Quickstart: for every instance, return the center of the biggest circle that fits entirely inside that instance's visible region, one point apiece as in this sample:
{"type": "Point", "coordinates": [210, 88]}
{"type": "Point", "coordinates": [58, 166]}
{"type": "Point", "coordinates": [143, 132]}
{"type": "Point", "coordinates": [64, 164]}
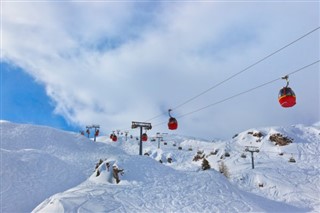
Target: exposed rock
{"type": "Point", "coordinates": [200, 155]}
{"type": "Point", "coordinates": [236, 135]}
{"type": "Point", "coordinates": [256, 134]}
{"type": "Point", "coordinates": [280, 139]}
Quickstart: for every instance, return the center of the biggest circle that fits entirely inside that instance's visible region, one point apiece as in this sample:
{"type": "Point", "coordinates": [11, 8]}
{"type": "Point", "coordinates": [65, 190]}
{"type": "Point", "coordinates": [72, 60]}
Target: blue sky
{"type": "Point", "coordinates": [25, 101]}
{"type": "Point", "coordinates": [111, 63]}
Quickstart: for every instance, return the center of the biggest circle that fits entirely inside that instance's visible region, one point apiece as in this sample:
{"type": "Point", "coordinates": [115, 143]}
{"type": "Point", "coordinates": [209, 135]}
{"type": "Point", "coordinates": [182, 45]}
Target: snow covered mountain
{"type": "Point", "coordinates": [49, 170]}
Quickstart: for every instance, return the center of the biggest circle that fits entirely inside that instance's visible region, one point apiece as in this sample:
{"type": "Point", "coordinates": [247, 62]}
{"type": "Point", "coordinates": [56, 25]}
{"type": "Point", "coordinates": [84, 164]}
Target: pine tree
{"type": "Point", "coordinates": [205, 164]}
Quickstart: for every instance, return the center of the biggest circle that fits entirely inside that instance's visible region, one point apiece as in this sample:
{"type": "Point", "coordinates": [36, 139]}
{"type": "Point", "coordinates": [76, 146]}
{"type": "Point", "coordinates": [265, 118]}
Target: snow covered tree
{"type": "Point", "coordinates": [223, 169]}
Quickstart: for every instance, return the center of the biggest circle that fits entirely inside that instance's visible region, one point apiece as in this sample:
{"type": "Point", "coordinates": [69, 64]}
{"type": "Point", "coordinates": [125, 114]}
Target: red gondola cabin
{"type": "Point", "coordinates": [286, 97]}
{"type": "Point", "coordinates": [144, 137]}
{"type": "Point", "coordinates": [97, 133]}
{"type": "Point", "coordinates": [114, 138]}
{"type": "Point", "coordinates": [173, 123]}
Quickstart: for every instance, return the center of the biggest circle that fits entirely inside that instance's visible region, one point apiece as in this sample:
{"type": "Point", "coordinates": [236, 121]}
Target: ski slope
{"type": "Point", "coordinates": [49, 170]}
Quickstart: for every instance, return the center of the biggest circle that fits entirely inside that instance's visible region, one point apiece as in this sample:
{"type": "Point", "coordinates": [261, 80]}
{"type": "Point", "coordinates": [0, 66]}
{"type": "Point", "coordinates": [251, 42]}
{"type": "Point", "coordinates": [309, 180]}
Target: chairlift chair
{"type": "Point", "coordinates": [292, 160]}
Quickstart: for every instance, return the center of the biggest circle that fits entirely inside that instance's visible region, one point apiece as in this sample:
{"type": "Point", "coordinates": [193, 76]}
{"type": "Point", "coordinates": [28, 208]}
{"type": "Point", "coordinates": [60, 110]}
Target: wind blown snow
{"type": "Point", "coordinates": [49, 170]}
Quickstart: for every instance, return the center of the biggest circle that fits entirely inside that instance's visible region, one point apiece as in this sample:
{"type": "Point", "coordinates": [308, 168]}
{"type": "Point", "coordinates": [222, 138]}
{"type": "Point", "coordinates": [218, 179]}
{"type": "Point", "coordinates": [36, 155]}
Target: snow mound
{"type": "Point", "coordinates": [148, 186]}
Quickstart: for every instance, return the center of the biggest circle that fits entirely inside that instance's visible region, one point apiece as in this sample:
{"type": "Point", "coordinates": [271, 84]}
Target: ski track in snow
{"type": "Point", "coordinates": [135, 199]}
{"type": "Point", "coordinates": [49, 170]}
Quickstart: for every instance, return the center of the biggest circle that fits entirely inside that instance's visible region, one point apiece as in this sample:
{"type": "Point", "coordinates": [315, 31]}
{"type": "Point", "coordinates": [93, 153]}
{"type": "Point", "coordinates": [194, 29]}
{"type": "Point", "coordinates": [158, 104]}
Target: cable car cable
{"type": "Point", "coordinates": [238, 73]}
{"type": "Point", "coordinates": [249, 90]}
{"type": "Point", "coordinates": [247, 68]}
{"type": "Point", "coordinates": [241, 93]}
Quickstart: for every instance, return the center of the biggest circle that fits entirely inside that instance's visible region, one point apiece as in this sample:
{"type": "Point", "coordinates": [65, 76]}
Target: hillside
{"type": "Point", "coordinates": [49, 170]}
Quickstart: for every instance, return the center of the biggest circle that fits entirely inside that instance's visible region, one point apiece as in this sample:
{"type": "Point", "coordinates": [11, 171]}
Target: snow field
{"type": "Point", "coordinates": [54, 171]}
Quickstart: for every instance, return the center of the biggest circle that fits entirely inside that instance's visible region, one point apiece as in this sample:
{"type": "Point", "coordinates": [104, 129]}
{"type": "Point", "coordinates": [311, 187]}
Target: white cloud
{"type": "Point", "coordinates": [111, 63]}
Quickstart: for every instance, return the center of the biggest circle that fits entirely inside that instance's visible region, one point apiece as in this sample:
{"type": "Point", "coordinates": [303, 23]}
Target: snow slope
{"type": "Point", "coordinates": [38, 161]}
{"type": "Point", "coordinates": [295, 183]}
{"type": "Point", "coordinates": [49, 170]}
{"type": "Point", "coordinates": [158, 188]}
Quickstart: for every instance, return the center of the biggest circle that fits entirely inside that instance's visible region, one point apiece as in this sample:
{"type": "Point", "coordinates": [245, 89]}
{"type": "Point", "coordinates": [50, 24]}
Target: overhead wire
{"type": "Point", "coordinates": [241, 93]}
{"type": "Point", "coordinates": [231, 77]}
{"type": "Point", "coordinates": [236, 74]}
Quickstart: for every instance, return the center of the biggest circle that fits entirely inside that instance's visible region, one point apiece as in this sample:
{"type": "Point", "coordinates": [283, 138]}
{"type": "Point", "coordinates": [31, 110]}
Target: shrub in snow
{"type": "Point", "coordinates": [223, 169]}
{"type": "Point", "coordinates": [169, 160]}
{"type": "Point", "coordinates": [98, 173]}
{"type": "Point", "coordinates": [100, 162]}
{"type": "Point", "coordinates": [205, 164]}
{"type": "Point", "coordinates": [180, 148]}
{"type": "Point", "coordinates": [116, 172]}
